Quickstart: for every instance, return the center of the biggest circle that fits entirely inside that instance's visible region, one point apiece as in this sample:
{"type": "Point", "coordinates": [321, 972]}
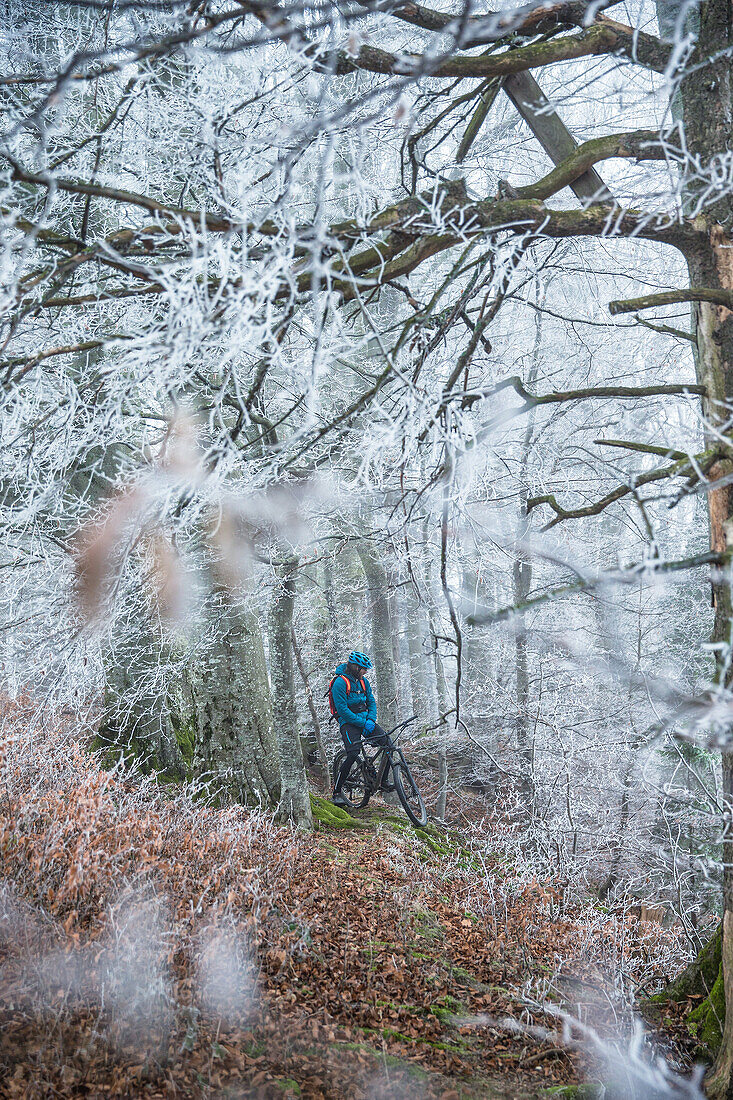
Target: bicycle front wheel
{"type": "Point", "coordinates": [355, 789]}
{"type": "Point", "coordinates": [408, 794]}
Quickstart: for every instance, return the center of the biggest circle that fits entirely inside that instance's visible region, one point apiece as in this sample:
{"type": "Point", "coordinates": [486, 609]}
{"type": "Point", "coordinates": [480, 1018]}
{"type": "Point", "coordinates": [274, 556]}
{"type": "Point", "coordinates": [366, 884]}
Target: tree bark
{"type": "Point", "coordinates": [522, 584]}
{"type": "Point", "coordinates": [441, 692]}
{"type": "Point", "coordinates": [443, 706]}
{"type": "Point", "coordinates": [383, 630]}
{"type": "Point", "coordinates": [423, 702]}
{"type": "Point", "coordinates": [552, 134]}
{"type": "Point", "coordinates": [522, 581]}
{"type": "Point", "coordinates": [335, 641]}
{"type": "Point", "coordinates": [707, 105]}
{"type": "Point", "coordinates": [235, 743]}
{"type": "Point", "coordinates": [136, 717]}
{"type": "Point", "coordinates": [317, 731]}
{"type": "Point", "coordinates": [617, 842]}
{"type": "Point", "coordinates": [294, 794]}
{"type": "Point", "coordinates": [402, 670]}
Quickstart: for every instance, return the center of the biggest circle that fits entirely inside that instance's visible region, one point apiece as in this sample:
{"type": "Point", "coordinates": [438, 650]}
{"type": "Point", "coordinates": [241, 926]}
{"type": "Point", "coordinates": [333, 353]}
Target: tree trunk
{"type": "Point", "coordinates": [440, 805]}
{"type": "Point", "coordinates": [522, 578]}
{"type": "Point", "coordinates": [402, 677]}
{"type": "Point", "coordinates": [441, 691]}
{"type": "Point", "coordinates": [383, 630]}
{"type": "Point", "coordinates": [317, 731]}
{"type": "Point", "coordinates": [136, 718]}
{"type": "Point", "coordinates": [294, 794]}
{"type": "Point", "coordinates": [522, 584]}
{"type": "Point", "coordinates": [335, 641]}
{"type": "Point", "coordinates": [707, 105]}
{"type": "Point", "coordinates": [617, 843]}
{"type": "Point", "coordinates": [423, 702]}
{"type": "Point", "coordinates": [477, 656]}
{"type": "Point", "coordinates": [443, 706]}
{"type": "Point", "coordinates": [235, 744]}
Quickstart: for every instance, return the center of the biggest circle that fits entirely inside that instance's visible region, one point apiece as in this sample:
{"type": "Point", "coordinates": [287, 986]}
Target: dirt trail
{"type": "Point", "coordinates": [384, 960]}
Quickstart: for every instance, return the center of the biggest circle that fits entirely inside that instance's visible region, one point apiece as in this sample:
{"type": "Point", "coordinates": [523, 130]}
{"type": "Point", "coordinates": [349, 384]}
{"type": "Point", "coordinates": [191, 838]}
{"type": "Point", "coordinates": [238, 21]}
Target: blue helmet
{"type": "Point", "coordinates": [359, 659]}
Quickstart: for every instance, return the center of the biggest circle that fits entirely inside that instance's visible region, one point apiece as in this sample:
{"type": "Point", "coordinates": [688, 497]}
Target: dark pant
{"type": "Point", "coordinates": [352, 738]}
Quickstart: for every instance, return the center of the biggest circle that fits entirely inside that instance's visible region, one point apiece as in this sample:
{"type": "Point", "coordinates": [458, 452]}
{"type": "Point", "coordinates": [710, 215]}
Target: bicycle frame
{"type": "Point", "coordinates": [385, 752]}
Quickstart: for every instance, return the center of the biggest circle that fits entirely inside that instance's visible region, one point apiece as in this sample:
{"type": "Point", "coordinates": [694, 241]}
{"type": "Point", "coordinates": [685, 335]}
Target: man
{"type": "Point", "coordinates": [356, 710]}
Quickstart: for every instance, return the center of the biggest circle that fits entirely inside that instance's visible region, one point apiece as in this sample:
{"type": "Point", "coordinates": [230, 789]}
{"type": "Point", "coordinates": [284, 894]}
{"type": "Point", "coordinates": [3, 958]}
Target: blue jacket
{"type": "Point", "coordinates": [355, 698]}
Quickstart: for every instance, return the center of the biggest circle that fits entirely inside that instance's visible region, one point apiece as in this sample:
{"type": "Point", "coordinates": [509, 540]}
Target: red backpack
{"type": "Point", "coordinates": [346, 680]}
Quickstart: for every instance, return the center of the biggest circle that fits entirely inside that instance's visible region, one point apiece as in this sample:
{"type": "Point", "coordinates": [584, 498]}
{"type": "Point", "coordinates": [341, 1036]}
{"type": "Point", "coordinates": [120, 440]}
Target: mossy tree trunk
{"type": "Point", "coordinates": [702, 978]}
{"type": "Point", "coordinates": [294, 796]}
{"type": "Point", "coordinates": [707, 109]}
{"type": "Point", "coordinates": [236, 747]}
{"type": "Point", "coordinates": [136, 719]}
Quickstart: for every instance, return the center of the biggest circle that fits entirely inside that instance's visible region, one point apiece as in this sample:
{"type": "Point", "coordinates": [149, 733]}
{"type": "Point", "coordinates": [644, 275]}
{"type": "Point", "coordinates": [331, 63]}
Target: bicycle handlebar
{"type": "Point", "coordinates": [403, 725]}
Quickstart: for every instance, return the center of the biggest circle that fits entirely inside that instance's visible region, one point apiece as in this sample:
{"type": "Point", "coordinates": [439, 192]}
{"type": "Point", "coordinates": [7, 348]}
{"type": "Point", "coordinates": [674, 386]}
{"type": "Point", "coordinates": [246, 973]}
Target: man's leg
{"type": "Point", "coordinates": [351, 736]}
{"type": "Point", "coordinates": [379, 736]}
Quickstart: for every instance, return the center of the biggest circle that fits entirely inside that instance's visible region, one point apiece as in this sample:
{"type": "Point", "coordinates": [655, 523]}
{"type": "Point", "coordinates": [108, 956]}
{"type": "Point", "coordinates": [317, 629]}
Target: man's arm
{"type": "Point", "coordinates": [343, 710]}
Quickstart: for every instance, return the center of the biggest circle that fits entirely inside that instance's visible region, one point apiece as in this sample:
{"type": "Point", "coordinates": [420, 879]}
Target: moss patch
{"type": "Point", "coordinates": [255, 1048]}
{"type": "Point", "coordinates": [289, 1087]}
{"type": "Point", "coordinates": [706, 1022]}
{"type": "Point", "coordinates": [699, 977]}
{"type": "Point", "coordinates": [409, 1069]}
{"type": "Point", "coordinates": [186, 739]}
{"type": "Point", "coordinates": [439, 847]}
{"type": "Point", "coordinates": [391, 1033]}
{"type": "Point", "coordinates": [394, 821]}
{"type": "Point", "coordinates": [462, 975]}
{"type": "Point", "coordinates": [332, 817]}
{"type": "Point", "coordinates": [703, 977]}
{"type": "Point", "coordinates": [448, 1009]}
{"type": "Point", "coordinates": [427, 926]}
{"type": "Point", "coordinates": [588, 1090]}
{"type": "Point", "coordinates": [111, 753]}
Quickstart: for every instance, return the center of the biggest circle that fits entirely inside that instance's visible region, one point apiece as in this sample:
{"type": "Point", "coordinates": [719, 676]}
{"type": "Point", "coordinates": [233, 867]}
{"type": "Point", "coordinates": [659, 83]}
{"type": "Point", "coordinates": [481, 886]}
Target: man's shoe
{"type": "Point", "coordinates": [340, 801]}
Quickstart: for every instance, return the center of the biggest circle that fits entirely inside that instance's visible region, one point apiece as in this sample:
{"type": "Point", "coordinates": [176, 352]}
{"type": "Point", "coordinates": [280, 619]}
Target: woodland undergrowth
{"type": "Point", "coordinates": [154, 945]}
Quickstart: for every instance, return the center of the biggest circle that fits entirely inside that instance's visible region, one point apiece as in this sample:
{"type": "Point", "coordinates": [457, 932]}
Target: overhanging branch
{"type": "Point", "coordinates": [591, 393]}
{"type": "Point", "coordinates": [130, 198]}
{"type": "Point", "coordinates": [689, 466]}
{"type": "Point", "coordinates": [630, 575]}
{"type": "Point", "coordinates": [644, 448]}
{"type": "Point", "coordinates": [479, 30]}
{"type": "Point", "coordinates": [597, 40]}
{"type": "Point", "coordinates": [672, 297]}
{"type": "Point", "coordinates": [636, 145]}
{"type": "Point", "coordinates": [459, 221]}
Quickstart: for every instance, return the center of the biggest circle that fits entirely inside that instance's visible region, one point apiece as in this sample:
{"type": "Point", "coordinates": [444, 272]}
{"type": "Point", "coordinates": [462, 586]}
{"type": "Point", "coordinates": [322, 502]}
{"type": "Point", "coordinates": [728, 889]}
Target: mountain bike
{"type": "Point", "coordinates": [383, 770]}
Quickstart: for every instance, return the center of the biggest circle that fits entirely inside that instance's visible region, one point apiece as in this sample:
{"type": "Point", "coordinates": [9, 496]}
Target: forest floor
{"type": "Point", "coordinates": [151, 947]}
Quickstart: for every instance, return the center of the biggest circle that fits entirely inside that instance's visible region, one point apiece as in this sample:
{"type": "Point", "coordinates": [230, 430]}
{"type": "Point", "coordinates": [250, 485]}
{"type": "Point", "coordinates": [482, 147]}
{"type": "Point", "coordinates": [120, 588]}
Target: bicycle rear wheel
{"type": "Point", "coordinates": [408, 794]}
{"type": "Point", "coordinates": [355, 789]}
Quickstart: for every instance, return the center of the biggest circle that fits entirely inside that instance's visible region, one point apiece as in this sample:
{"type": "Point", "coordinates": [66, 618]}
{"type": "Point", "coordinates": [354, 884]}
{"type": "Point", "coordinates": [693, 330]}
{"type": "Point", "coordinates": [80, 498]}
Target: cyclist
{"type": "Point", "coordinates": [356, 710]}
